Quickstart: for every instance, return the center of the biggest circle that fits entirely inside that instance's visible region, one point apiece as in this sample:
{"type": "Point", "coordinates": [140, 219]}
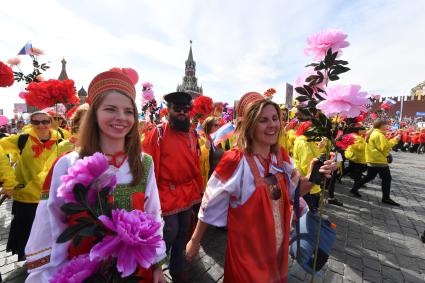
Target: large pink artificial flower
{"type": "Point", "coordinates": [147, 93]}
{"type": "Point", "coordinates": [134, 242]}
{"type": "Point", "coordinates": [93, 172]}
{"type": "Point", "coordinates": [36, 51]}
{"type": "Point", "coordinates": [344, 101]}
{"type": "Point", "coordinates": [76, 270]}
{"type": "Point", "coordinates": [14, 61]}
{"type": "Point", "coordinates": [309, 71]}
{"type": "Point", "coordinates": [319, 43]}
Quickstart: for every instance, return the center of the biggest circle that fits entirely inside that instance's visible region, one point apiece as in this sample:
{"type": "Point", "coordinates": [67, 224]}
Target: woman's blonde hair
{"type": "Point", "coordinates": [246, 126]}
{"type": "Point", "coordinates": [90, 137]}
{"type": "Point", "coordinates": [77, 117]}
{"type": "Point", "coordinates": [208, 124]}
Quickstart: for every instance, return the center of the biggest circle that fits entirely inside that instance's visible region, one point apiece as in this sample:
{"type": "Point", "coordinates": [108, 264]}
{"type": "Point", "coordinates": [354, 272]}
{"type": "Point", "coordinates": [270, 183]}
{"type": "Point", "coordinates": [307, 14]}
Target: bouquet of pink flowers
{"type": "Point", "coordinates": [109, 244]}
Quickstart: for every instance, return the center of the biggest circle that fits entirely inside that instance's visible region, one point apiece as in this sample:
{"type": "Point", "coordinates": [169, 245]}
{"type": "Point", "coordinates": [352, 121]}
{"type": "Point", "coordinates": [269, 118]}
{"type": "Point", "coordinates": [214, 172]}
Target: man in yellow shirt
{"type": "Point", "coordinates": [378, 149]}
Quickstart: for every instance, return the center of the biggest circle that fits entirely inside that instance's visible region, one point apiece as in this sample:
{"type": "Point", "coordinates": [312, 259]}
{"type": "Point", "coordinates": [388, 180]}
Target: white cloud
{"type": "Point", "coordinates": [238, 45]}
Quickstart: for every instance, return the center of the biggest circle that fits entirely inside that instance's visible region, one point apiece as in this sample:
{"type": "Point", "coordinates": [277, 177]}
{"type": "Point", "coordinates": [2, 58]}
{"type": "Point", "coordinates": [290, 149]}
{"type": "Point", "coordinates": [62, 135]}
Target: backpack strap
{"type": "Point", "coordinates": [61, 133]}
{"type": "Point", "coordinates": [22, 140]}
{"type": "Point", "coordinates": [297, 214]}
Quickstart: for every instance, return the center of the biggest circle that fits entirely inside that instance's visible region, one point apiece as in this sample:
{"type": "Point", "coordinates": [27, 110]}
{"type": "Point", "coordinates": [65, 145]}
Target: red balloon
{"type": "Point", "coordinates": [132, 74]}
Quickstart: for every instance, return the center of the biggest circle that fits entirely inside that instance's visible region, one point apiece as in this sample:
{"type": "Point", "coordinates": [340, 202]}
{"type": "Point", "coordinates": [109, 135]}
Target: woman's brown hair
{"type": "Point", "coordinates": [376, 125]}
{"type": "Point", "coordinates": [208, 124]}
{"type": "Point", "coordinates": [90, 137]}
{"type": "Point", "coordinates": [245, 128]}
{"type": "Point", "coordinates": [77, 117]}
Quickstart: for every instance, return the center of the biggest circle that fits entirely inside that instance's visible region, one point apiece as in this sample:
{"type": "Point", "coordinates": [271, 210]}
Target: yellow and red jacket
{"type": "Point", "coordinates": [303, 153]}
{"type": "Point", "coordinates": [7, 175]}
{"type": "Point", "coordinates": [29, 166]}
{"type": "Point", "coordinates": [356, 152]}
{"type": "Point", "coordinates": [378, 147]}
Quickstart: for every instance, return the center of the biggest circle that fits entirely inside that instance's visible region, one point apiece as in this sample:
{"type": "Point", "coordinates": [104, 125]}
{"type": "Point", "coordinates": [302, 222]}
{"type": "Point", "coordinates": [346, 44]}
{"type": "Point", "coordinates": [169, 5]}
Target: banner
{"type": "Point", "coordinates": [20, 107]}
{"type": "Point", "coordinates": [289, 95]}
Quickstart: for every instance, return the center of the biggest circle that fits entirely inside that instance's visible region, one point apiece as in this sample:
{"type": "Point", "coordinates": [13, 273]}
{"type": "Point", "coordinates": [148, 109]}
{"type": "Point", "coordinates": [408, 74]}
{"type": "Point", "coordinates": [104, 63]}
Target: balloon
{"type": "Point", "coordinates": [22, 94]}
{"type": "Point", "coordinates": [132, 74]}
{"type": "Point", "coordinates": [397, 112]}
{"type": "Point", "coordinates": [3, 120]}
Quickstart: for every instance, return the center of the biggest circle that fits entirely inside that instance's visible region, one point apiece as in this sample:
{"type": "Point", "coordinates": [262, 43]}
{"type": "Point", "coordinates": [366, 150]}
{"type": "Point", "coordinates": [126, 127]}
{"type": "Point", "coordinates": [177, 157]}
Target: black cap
{"type": "Point", "coordinates": [178, 98]}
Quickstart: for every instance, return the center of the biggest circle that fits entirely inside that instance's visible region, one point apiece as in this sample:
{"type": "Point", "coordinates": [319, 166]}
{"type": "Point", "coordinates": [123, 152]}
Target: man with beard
{"type": "Point", "coordinates": [174, 148]}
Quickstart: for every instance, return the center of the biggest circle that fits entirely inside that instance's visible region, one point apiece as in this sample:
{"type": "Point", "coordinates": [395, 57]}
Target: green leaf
{"type": "Point", "coordinates": [333, 78]}
{"type": "Point", "coordinates": [88, 231]}
{"type": "Point", "coordinates": [341, 62]}
{"type": "Point", "coordinates": [302, 98]}
{"type": "Point", "coordinates": [72, 208]}
{"type": "Point", "coordinates": [80, 193]}
{"type": "Point", "coordinates": [309, 90]}
{"type": "Point", "coordinates": [301, 90]}
{"type": "Point", "coordinates": [312, 65]}
{"type": "Point", "coordinates": [76, 240]}
{"type": "Point", "coordinates": [70, 232]}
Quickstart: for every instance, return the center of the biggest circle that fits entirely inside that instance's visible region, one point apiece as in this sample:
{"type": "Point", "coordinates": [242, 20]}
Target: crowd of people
{"type": "Point", "coordinates": [245, 184]}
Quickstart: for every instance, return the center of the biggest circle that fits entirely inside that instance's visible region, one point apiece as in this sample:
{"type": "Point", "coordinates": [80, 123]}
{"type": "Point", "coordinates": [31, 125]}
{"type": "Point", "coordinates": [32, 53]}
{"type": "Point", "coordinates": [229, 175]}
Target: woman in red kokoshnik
{"type": "Point", "coordinates": [250, 192]}
{"type": "Point", "coordinates": [110, 127]}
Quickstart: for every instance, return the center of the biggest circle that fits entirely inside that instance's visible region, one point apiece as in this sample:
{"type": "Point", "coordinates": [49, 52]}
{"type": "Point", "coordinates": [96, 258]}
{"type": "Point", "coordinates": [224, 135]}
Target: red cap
{"type": "Point", "coordinates": [111, 80]}
{"type": "Point", "coordinates": [246, 100]}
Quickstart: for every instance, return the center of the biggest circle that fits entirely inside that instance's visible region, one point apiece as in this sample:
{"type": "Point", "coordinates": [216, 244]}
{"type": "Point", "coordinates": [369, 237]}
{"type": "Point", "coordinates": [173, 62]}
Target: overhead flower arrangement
{"type": "Point", "coordinates": [6, 75]}
{"type": "Point", "coordinates": [38, 68]}
{"type": "Point", "coordinates": [107, 244]}
{"type": "Point", "coordinates": [150, 110]}
{"type": "Point", "coordinates": [328, 106]}
{"type": "Point", "coordinates": [202, 108]}
{"type": "Point", "coordinates": [51, 92]}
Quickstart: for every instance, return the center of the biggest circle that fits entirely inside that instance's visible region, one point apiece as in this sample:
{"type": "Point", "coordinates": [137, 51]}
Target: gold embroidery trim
{"type": "Point", "coordinates": [39, 252]}
{"type": "Point", "coordinates": [39, 262]}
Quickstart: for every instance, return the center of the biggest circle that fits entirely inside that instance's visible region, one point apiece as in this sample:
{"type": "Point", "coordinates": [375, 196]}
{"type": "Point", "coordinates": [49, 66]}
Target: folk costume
{"type": "Point", "coordinates": [239, 196]}
{"type": "Point", "coordinates": [44, 255]}
{"type": "Point", "coordinates": [178, 173]}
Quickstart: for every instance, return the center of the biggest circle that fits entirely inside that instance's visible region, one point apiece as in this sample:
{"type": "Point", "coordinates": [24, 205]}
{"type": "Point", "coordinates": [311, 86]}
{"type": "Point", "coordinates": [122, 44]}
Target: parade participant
{"type": "Point", "coordinates": [303, 153]}
{"type": "Point", "coordinates": [110, 127]}
{"type": "Point", "coordinates": [356, 156]}
{"type": "Point", "coordinates": [250, 192]}
{"type": "Point", "coordinates": [35, 146]}
{"type": "Point", "coordinates": [378, 149]}
{"type": "Point", "coordinates": [174, 148]}
{"type": "Point", "coordinates": [421, 148]}
{"type": "Point", "coordinates": [7, 175]}
{"type": "Point", "coordinates": [210, 154]}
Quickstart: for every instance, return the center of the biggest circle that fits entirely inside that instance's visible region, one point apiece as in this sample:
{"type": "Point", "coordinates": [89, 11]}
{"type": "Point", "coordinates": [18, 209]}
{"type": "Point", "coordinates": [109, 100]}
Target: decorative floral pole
{"type": "Point", "coordinates": [320, 103]}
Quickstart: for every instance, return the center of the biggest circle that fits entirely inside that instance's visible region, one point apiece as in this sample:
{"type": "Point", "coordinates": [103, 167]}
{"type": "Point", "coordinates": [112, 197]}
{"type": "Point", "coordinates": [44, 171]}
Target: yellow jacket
{"type": "Point", "coordinates": [64, 146]}
{"type": "Point", "coordinates": [378, 148]}
{"type": "Point", "coordinates": [356, 151]}
{"type": "Point", "coordinates": [303, 153]}
{"type": "Point", "coordinates": [28, 167]}
{"type": "Point", "coordinates": [7, 175]}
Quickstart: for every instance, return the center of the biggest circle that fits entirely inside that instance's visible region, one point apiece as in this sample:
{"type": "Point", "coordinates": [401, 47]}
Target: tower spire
{"type": "Point", "coordinates": [190, 58]}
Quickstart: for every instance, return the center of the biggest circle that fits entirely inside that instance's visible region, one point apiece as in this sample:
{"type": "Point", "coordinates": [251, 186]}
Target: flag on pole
{"type": "Point", "coordinates": [388, 103]}
{"type": "Point", "coordinates": [27, 49]}
{"type": "Point", "coordinates": [222, 134]}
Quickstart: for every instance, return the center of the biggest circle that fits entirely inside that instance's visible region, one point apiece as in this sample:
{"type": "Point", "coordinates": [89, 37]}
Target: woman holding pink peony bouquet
{"type": "Point", "coordinates": [102, 220]}
{"type": "Point", "coordinates": [250, 192]}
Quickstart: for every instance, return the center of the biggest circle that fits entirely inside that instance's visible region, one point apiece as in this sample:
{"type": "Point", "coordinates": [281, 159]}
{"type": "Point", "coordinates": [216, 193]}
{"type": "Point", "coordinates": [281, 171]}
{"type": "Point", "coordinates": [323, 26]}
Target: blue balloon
{"type": "Point", "coordinates": [398, 112]}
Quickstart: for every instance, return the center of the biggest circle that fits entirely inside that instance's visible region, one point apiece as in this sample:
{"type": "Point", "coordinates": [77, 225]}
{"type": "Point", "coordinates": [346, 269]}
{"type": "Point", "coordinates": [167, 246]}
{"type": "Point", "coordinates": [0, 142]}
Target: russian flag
{"type": "Point", "coordinates": [388, 103]}
{"type": "Point", "coordinates": [27, 49]}
{"type": "Point", "coordinates": [222, 134]}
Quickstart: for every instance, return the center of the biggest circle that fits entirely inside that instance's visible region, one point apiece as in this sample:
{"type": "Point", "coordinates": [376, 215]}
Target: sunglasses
{"type": "Point", "coordinates": [179, 108]}
{"type": "Point", "coordinates": [38, 122]}
{"type": "Point", "coordinates": [271, 181]}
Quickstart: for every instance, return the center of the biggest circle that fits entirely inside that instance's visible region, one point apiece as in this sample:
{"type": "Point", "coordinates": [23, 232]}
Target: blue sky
{"type": "Point", "coordinates": [239, 45]}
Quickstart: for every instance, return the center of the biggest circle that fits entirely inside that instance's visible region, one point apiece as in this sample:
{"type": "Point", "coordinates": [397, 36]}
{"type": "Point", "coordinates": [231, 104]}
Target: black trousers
{"type": "Point", "coordinates": [20, 228]}
{"type": "Point", "coordinates": [356, 170]}
{"type": "Point", "coordinates": [384, 174]}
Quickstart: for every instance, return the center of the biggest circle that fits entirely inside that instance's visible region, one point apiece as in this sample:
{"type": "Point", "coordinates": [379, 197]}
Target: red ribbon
{"type": "Point", "coordinates": [38, 147]}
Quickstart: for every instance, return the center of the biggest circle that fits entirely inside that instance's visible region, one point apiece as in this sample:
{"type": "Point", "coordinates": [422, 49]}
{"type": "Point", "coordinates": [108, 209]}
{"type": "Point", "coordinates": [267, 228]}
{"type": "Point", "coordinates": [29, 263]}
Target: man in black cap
{"type": "Point", "coordinates": [174, 148]}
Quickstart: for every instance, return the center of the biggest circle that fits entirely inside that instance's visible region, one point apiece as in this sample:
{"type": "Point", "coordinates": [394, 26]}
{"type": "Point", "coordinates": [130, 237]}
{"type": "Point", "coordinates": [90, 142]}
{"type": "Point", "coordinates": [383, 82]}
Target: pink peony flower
{"type": "Point", "coordinates": [319, 43]}
{"type": "Point", "coordinates": [76, 270]}
{"type": "Point", "coordinates": [343, 100]}
{"type": "Point", "coordinates": [134, 243]}
{"type": "Point", "coordinates": [36, 51]}
{"type": "Point", "coordinates": [307, 73]}
{"type": "Point", "coordinates": [93, 172]}
{"type": "Point", "coordinates": [14, 61]}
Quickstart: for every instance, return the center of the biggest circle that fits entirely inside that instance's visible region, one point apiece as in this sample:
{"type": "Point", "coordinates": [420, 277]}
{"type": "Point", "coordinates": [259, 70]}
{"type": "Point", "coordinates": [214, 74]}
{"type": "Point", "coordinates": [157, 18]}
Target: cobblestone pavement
{"type": "Point", "coordinates": [375, 242]}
